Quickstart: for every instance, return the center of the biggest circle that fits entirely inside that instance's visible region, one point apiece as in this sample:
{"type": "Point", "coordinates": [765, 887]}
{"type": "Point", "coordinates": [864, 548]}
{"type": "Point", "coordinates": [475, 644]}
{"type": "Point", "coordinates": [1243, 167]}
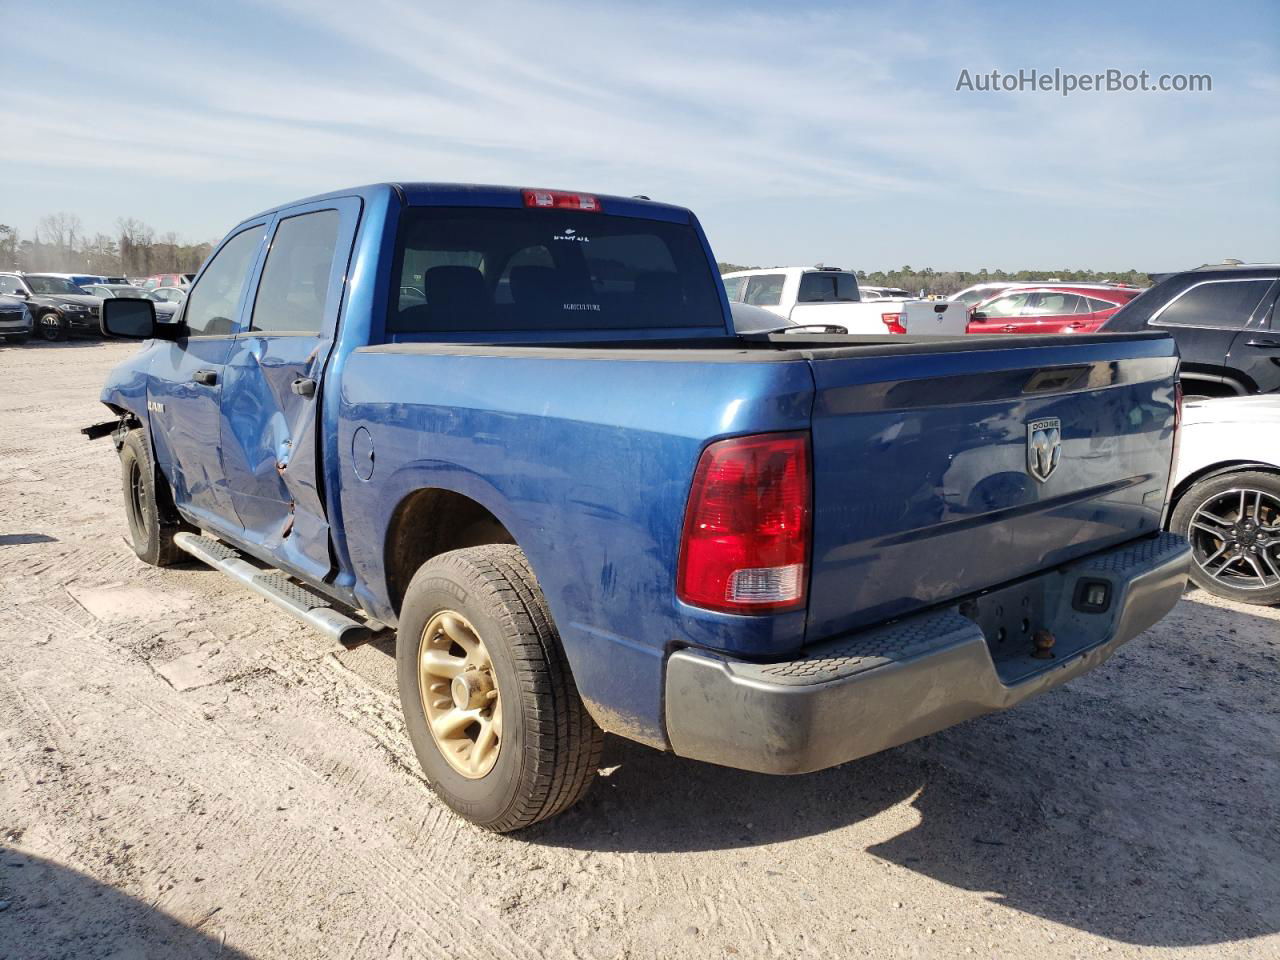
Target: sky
{"type": "Point", "coordinates": [798, 132]}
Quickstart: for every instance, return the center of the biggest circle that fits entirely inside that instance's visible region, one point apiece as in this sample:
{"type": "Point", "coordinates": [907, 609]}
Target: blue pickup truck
{"type": "Point", "coordinates": [518, 427]}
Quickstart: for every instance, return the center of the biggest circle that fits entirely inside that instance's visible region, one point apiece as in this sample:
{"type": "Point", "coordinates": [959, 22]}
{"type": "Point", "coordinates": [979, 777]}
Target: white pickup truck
{"type": "Point", "coordinates": [828, 296]}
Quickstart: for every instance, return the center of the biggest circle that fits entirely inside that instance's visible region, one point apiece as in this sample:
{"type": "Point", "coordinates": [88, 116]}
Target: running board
{"type": "Point", "coordinates": [307, 605]}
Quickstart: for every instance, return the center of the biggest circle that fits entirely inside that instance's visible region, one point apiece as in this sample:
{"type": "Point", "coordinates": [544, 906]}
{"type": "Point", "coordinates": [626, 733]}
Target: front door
{"type": "Point", "coordinates": [271, 448]}
{"type": "Point", "coordinates": [187, 380]}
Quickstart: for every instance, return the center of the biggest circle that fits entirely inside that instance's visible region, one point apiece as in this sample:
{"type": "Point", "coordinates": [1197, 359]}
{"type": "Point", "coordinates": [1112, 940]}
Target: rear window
{"type": "Point", "coordinates": [476, 269]}
{"type": "Point", "coordinates": [828, 288]}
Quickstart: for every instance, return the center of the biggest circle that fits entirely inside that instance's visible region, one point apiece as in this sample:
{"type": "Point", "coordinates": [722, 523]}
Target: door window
{"type": "Point", "coordinates": [212, 304]}
{"type": "Point", "coordinates": [1010, 306]}
{"type": "Point", "coordinates": [295, 279]}
{"type": "Point", "coordinates": [764, 290]}
{"type": "Point", "coordinates": [1216, 304]}
{"type": "Point", "coordinates": [10, 285]}
{"type": "Point", "coordinates": [734, 287]}
{"type": "Point", "coordinates": [1055, 305]}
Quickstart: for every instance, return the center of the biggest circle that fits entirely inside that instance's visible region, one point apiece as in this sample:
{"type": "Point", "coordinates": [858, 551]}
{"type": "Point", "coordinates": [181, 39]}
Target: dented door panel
{"type": "Point", "coordinates": [271, 448]}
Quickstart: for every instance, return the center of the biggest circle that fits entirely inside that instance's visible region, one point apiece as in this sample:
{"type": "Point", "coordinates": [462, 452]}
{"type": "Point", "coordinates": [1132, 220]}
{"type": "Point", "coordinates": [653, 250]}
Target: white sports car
{"type": "Point", "coordinates": [1226, 495]}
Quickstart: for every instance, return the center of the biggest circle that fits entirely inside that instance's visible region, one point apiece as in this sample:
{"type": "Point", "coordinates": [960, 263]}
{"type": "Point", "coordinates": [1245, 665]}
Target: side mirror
{"type": "Point", "coordinates": [128, 318]}
{"type": "Point", "coordinates": [979, 316]}
{"type": "Point", "coordinates": [20, 294]}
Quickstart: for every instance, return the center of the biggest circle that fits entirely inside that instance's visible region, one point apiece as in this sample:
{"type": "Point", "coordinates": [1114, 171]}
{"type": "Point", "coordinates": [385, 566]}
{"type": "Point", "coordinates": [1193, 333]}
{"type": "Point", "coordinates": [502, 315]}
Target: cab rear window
{"type": "Point", "coordinates": [476, 269]}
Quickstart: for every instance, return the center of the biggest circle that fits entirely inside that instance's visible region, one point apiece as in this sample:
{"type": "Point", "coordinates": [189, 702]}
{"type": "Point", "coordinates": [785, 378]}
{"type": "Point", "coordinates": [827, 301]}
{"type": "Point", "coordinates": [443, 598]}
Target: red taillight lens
{"type": "Point", "coordinates": [745, 547]}
{"type": "Point", "coordinates": [894, 322]}
{"type": "Point", "coordinates": [559, 200]}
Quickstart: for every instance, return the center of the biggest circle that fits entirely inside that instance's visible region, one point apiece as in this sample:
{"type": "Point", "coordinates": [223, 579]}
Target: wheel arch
{"type": "Point", "coordinates": [1210, 472]}
{"type": "Point", "coordinates": [1223, 385]}
{"type": "Point", "coordinates": [427, 522]}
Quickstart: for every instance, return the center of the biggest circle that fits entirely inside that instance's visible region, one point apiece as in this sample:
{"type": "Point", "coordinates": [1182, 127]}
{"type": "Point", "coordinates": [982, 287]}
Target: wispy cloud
{"type": "Point", "coordinates": [702, 106]}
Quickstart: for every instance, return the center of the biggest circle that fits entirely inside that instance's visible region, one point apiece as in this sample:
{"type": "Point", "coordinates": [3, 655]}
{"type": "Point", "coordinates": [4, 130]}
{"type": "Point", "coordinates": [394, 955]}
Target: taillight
{"type": "Point", "coordinates": [559, 200]}
{"type": "Point", "coordinates": [745, 547]}
{"type": "Point", "coordinates": [894, 322]}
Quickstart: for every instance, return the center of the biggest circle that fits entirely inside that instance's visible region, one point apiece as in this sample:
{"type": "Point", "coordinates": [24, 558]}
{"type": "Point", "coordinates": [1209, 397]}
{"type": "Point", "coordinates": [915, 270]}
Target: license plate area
{"type": "Point", "coordinates": [1025, 629]}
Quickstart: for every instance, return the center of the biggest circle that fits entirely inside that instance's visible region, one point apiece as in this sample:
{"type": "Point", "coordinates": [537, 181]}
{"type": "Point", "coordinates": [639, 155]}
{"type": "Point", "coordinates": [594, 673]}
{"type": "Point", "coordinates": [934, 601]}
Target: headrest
{"type": "Point", "coordinates": [456, 287]}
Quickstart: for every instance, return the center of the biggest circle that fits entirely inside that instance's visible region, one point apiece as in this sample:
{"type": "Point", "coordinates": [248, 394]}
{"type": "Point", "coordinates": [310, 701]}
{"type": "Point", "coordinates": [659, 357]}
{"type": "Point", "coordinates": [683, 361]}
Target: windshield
{"type": "Point", "coordinates": [48, 285]}
{"type": "Point", "coordinates": [483, 269]}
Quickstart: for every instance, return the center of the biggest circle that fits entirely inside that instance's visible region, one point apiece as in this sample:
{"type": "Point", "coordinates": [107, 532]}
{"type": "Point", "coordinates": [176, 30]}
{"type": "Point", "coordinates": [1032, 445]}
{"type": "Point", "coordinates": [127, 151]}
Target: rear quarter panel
{"type": "Point", "coordinates": [587, 462]}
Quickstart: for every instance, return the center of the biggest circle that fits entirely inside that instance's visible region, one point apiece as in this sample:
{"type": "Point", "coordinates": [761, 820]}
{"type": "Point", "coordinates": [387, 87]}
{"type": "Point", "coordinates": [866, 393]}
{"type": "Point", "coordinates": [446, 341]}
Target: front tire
{"type": "Point", "coordinates": [489, 703]}
{"type": "Point", "coordinates": [1233, 524]}
{"type": "Point", "coordinates": [150, 535]}
{"type": "Point", "coordinates": [51, 326]}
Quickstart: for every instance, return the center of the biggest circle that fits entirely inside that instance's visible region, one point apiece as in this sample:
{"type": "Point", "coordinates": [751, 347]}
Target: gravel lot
{"type": "Point", "coordinates": [185, 772]}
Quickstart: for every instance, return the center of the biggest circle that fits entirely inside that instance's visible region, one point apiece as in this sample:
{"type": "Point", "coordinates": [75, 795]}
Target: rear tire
{"type": "Point", "coordinates": [514, 744]}
{"type": "Point", "coordinates": [151, 533]}
{"type": "Point", "coordinates": [1211, 517]}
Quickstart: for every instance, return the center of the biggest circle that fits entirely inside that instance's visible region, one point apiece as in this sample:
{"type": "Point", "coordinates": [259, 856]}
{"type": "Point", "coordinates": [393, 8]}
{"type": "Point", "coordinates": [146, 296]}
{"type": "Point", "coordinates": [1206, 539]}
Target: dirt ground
{"type": "Point", "coordinates": [186, 772]}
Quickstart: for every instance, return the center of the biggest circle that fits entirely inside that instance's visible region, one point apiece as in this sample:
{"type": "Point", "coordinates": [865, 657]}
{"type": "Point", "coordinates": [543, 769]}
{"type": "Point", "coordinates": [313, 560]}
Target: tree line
{"type": "Point", "coordinates": [946, 282]}
{"type": "Point", "coordinates": [60, 244]}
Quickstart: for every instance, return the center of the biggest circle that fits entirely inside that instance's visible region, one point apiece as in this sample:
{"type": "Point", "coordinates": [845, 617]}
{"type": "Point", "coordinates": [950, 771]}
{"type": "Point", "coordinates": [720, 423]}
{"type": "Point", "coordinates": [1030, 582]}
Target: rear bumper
{"type": "Point", "coordinates": [878, 688]}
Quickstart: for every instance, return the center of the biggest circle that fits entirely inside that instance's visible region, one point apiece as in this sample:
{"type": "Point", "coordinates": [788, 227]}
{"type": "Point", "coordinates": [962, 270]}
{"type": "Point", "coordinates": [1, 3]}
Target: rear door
{"type": "Point", "coordinates": [1208, 316]}
{"type": "Point", "coordinates": [187, 381]}
{"type": "Point", "coordinates": [1255, 351]}
{"type": "Point", "coordinates": [271, 443]}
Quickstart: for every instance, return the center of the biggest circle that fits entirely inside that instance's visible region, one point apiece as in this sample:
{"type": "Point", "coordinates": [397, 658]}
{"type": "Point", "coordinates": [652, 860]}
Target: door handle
{"type": "Point", "coordinates": [1264, 342]}
{"type": "Point", "coordinates": [304, 387]}
{"type": "Point", "coordinates": [207, 377]}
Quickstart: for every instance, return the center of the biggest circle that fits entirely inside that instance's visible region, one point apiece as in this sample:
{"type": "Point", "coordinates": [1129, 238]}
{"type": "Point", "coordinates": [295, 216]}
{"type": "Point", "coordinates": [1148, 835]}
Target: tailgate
{"type": "Point", "coordinates": [924, 486]}
{"type": "Point", "coordinates": [935, 318]}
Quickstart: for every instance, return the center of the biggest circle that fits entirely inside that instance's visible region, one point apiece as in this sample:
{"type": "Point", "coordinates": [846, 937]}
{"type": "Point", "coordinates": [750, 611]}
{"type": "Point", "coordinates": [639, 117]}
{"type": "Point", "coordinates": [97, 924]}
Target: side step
{"type": "Point", "coordinates": [307, 605]}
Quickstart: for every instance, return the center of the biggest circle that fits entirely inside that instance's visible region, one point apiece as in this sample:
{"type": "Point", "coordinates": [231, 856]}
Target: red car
{"type": "Point", "coordinates": [1079, 308]}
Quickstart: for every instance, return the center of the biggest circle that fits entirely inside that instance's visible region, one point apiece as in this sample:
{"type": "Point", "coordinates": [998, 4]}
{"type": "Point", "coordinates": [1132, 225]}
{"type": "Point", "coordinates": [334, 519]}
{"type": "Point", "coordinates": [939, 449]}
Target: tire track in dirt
{"type": "Point", "coordinates": [398, 881]}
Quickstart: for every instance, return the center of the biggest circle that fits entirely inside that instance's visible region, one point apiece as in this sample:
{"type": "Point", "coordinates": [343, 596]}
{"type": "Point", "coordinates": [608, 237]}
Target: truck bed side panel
{"type": "Point", "coordinates": [587, 462]}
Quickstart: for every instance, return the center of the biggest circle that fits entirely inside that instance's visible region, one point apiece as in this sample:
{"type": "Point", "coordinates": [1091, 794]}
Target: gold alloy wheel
{"type": "Point", "coordinates": [459, 694]}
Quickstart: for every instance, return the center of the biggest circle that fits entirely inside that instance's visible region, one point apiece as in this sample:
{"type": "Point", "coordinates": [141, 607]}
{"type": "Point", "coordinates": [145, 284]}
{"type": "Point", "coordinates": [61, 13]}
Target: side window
{"type": "Point", "coordinates": [1054, 304]}
{"type": "Point", "coordinates": [734, 287]}
{"type": "Point", "coordinates": [1009, 306]}
{"type": "Point", "coordinates": [1096, 305]}
{"type": "Point", "coordinates": [211, 307]}
{"type": "Point", "coordinates": [764, 290]}
{"type": "Point", "coordinates": [295, 279]}
{"type": "Point", "coordinates": [10, 285]}
{"type": "Point", "coordinates": [1225, 303]}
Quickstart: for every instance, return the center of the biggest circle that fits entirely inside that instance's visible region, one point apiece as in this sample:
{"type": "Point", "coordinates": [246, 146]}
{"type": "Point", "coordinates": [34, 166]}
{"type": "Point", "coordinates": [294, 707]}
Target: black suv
{"type": "Point", "coordinates": [1225, 322]}
{"type": "Point", "coordinates": [57, 305]}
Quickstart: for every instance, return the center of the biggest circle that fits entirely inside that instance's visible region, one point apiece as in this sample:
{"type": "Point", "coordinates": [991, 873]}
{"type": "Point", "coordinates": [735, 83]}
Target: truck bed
{"type": "Point", "coordinates": [585, 452]}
